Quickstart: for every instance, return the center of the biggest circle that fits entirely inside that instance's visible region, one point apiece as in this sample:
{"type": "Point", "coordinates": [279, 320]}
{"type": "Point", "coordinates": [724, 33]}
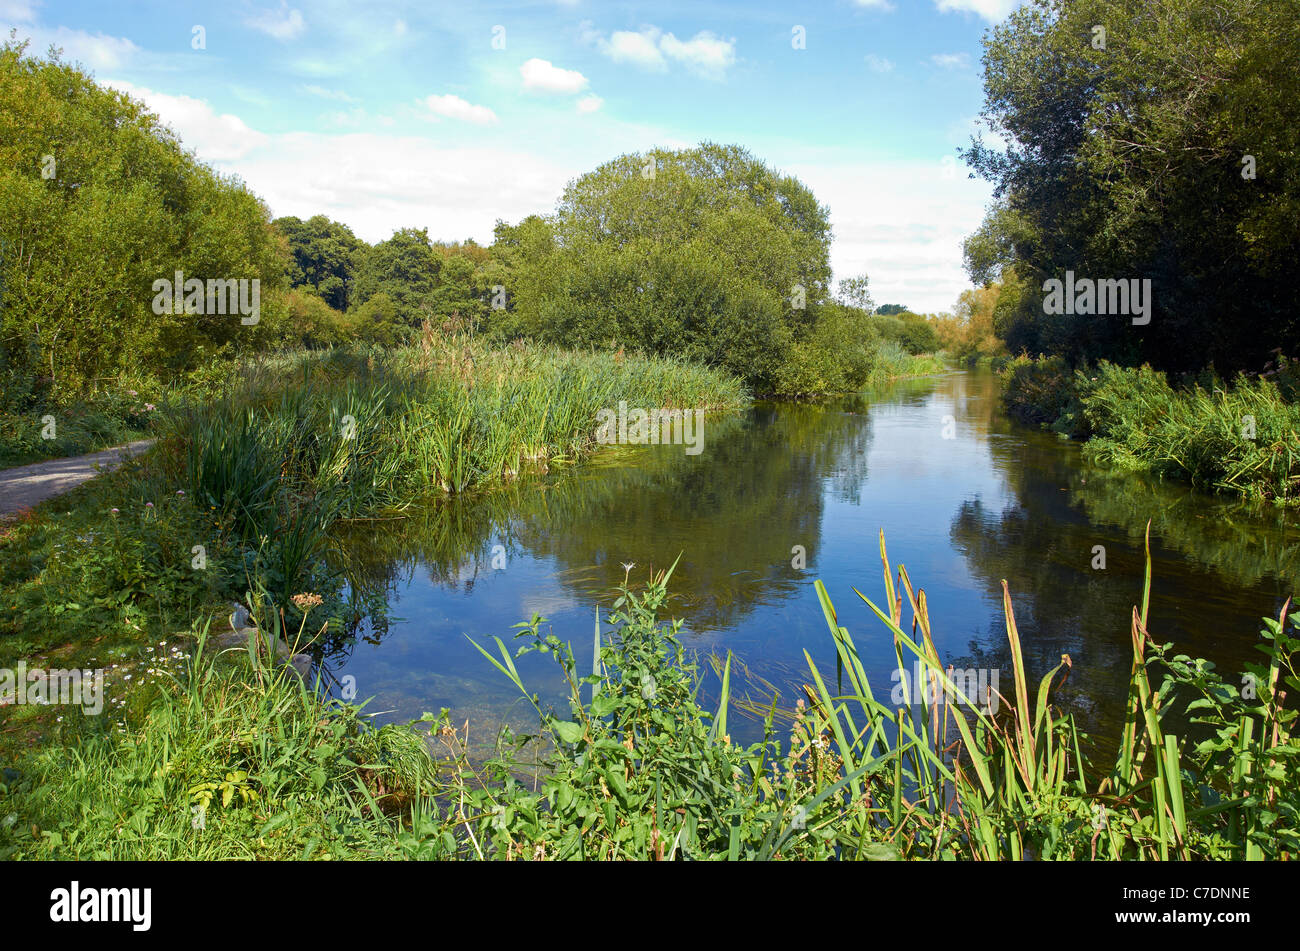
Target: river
{"type": "Point", "coordinates": [965, 496]}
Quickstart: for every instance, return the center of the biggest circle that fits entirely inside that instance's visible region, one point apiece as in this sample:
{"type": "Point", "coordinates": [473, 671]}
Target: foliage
{"type": "Point", "coordinates": [704, 253]}
{"type": "Point", "coordinates": [1126, 161]}
{"type": "Point", "coordinates": [968, 336]}
{"type": "Point", "coordinates": [638, 768]}
{"type": "Point", "coordinates": [97, 201]}
{"type": "Point", "coordinates": [260, 472]}
{"type": "Point", "coordinates": [1242, 438]}
{"type": "Point", "coordinates": [913, 332]}
{"type": "Point", "coordinates": [217, 766]}
{"type": "Point", "coordinates": [323, 257]}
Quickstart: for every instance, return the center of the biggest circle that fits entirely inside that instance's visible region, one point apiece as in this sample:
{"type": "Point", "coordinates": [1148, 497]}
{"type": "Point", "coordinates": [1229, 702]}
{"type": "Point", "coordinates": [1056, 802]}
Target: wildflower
{"type": "Point", "coordinates": [149, 407]}
{"type": "Point", "coordinates": [306, 602]}
{"type": "Point", "coordinates": [114, 512]}
{"type": "Point", "coordinates": [148, 505]}
{"type": "Point", "coordinates": [180, 493]}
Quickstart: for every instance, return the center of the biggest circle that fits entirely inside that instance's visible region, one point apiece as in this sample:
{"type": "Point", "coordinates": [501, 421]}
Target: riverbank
{"type": "Point", "coordinates": [180, 763]}
{"type": "Point", "coordinates": [637, 768]}
{"type": "Point", "coordinates": [237, 499]}
{"type": "Point", "coordinates": [1241, 437]}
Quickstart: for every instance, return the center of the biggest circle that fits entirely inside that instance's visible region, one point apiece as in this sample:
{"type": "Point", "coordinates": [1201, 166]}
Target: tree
{"type": "Point", "coordinates": [854, 292]}
{"type": "Point", "coordinates": [98, 201]}
{"type": "Point", "coordinates": [1131, 157]}
{"type": "Point", "coordinates": [706, 253]}
{"type": "Point", "coordinates": [323, 256]}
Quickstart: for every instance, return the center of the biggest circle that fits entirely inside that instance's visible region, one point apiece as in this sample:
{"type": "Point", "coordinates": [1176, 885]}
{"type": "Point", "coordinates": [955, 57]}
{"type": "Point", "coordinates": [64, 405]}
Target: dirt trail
{"type": "Point", "coordinates": [25, 486]}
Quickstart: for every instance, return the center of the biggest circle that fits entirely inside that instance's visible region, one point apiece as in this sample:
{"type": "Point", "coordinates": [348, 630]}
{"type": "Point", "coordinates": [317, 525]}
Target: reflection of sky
{"type": "Point", "coordinates": [913, 484]}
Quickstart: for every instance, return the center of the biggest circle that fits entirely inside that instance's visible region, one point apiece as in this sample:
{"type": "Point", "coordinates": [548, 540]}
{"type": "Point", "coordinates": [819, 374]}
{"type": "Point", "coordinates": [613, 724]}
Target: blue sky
{"type": "Point", "coordinates": [452, 115]}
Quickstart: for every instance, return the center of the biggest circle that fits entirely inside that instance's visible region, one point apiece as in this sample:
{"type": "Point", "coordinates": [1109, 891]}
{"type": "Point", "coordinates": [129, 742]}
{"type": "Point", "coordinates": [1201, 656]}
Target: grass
{"type": "Point", "coordinates": [36, 433]}
{"type": "Point", "coordinates": [893, 362]}
{"type": "Point", "coordinates": [1241, 438]}
{"type": "Point", "coordinates": [637, 768]}
{"type": "Point", "coordinates": [251, 482]}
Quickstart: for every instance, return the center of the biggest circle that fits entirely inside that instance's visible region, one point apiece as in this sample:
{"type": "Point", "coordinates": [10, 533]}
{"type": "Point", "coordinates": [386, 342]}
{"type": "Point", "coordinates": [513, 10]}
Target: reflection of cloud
{"type": "Point", "coordinates": [548, 604]}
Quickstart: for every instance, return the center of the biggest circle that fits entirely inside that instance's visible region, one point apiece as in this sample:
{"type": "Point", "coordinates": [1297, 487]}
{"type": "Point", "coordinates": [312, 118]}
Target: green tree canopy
{"type": "Point", "coordinates": [1134, 130]}
{"type": "Point", "coordinates": [97, 201]}
{"type": "Point", "coordinates": [323, 256]}
{"type": "Point", "coordinates": [706, 253]}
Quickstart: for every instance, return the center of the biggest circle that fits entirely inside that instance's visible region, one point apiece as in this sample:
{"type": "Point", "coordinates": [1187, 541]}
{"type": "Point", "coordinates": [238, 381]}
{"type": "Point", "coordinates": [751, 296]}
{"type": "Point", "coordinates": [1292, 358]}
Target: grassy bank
{"type": "Point", "coordinates": [245, 485]}
{"type": "Point", "coordinates": [1241, 437]}
{"type": "Point", "coordinates": [893, 362]}
{"type": "Point", "coordinates": [637, 768]}
{"type": "Point", "coordinates": [33, 429]}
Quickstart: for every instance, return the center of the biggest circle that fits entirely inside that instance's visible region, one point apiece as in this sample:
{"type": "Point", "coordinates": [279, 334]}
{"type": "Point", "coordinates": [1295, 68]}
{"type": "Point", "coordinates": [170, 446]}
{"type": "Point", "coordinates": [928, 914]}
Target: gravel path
{"type": "Point", "coordinates": [25, 486]}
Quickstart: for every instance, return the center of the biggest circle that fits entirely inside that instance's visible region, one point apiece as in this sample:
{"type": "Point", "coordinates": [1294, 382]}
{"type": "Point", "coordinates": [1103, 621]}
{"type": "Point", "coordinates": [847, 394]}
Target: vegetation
{"type": "Point", "coordinates": [637, 768]}
{"type": "Point", "coordinates": [258, 474]}
{"type": "Point", "coordinates": [1242, 437]}
{"type": "Point", "coordinates": [1164, 150]}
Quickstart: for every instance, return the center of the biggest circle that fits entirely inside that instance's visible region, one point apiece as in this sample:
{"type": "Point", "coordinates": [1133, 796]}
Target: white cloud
{"type": "Point", "coordinates": [215, 138]}
{"type": "Point", "coordinates": [878, 64]}
{"type": "Point", "coordinates": [541, 76]}
{"type": "Point", "coordinates": [590, 103]}
{"type": "Point", "coordinates": [875, 4]}
{"type": "Point", "coordinates": [324, 93]}
{"type": "Point", "coordinates": [283, 24]}
{"type": "Point", "coordinates": [641, 49]}
{"type": "Point", "coordinates": [17, 11]}
{"type": "Point", "coordinates": [94, 50]}
{"type": "Point", "coordinates": [377, 183]}
{"type": "Point", "coordinates": [903, 223]}
{"type": "Point", "coordinates": [705, 53]}
{"type": "Point", "coordinates": [951, 60]}
{"type": "Point", "coordinates": [991, 10]}
{"type": "Point", "coordinates": [454, 107]}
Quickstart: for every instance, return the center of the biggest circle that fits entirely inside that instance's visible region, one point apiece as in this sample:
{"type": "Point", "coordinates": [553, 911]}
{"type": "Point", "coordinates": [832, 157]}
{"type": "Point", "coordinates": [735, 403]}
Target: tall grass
{"type": "Point", "coordinates": [1242, 438]}
{"type": "Point", "coordinates": [637, 767]}
{"type": "Point", "coordinates": [1202, 769]}
{"type": "Point", "coordinates": [893, 362]}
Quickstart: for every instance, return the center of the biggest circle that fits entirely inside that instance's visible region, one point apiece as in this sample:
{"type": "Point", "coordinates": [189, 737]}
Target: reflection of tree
{"type": "Point", "coordinates": [754, 492]}
{"type": "Point", "coordinates": [1217, 567]}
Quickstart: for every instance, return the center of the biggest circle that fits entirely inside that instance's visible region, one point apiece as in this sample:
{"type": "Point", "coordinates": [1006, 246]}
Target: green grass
{"type": "Point", "coordinates": [251, 481]}
{"type": "Point", "coordinates": [637, 768]}
{"type": "Point", "coordinates": [1241, 438]}
{"type": "Point", "coordinates": [893, 362]}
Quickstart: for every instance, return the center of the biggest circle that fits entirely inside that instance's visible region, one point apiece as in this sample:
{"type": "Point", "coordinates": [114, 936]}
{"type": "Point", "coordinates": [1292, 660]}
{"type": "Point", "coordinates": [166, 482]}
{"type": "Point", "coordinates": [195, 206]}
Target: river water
{"type": "Point", "coordinates": [965, 497]}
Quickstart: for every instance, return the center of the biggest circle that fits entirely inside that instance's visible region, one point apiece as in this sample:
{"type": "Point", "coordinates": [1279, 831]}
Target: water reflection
{"type": "Point", "coordinates": [965, 497]}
